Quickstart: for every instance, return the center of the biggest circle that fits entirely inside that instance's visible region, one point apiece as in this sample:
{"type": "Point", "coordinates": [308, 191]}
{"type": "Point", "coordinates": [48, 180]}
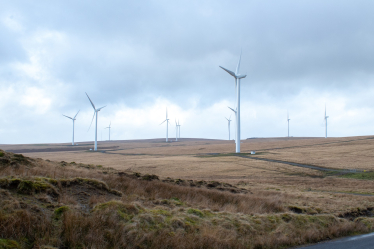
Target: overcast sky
{"type": "Point", "coordinates": [139, 57]}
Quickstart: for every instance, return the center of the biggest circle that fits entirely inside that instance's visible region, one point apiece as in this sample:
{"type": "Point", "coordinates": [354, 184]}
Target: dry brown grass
{"type": "Point", "coordinates": [181, 160]}
{"type": "Point", "coordinates": [274, 189]}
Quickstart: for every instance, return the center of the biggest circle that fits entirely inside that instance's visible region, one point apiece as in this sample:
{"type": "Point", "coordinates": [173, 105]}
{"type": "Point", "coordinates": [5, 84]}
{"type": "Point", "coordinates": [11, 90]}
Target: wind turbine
{"type": "Point", "coordinates": [229, 120]}
{"type": "Point", "coordinates": [167, 124]}
{"type": "Point", "coordinates": [73, 123]}
{"type": "Point", "coordinates": [235, 118]}
{"type": "Point", "coordinates": [237, 77]}
{"type": "Point", "coordinates": [176, 130]}
{"type": "Point", "coordinates": [95, 113]}
{"type": "Point", "coordinates": [325, 122]}
{"type": "Point", "coordinates": [288, 121]}
{"type": "Point", "coordinates": [179, 129]}
{"type": "Point", "coordinates": [109, 129]}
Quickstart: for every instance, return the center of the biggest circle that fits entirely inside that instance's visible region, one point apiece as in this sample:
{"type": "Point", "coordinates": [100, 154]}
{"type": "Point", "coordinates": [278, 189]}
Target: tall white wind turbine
{"type": "Point", "coordinates": [288, 121]}
{"type": "Point", "coordinates": [73, 123]}
{"type": "Point", "coordinates": [109, 129]}
{"type": "Point", "coordinates": [229, 120]}
{"type": "Point", "coordinates": [237, 77]}
{"type": "Point", "coordinates": [325, 122]}
{"type": "Point", "coordinates": [179, 129]}
{"type": "Point", "coordinates": [96, 112]}
{"type": "Point", "coordinates": [167, 124]}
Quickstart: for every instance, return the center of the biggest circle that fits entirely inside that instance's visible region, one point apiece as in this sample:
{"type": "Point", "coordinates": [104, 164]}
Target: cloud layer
{"type": "Point", "coordinates": [140, 57]}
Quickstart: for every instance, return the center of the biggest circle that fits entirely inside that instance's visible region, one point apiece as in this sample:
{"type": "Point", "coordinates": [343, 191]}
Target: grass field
{"type": "Point", "coordinates": [339, 199]}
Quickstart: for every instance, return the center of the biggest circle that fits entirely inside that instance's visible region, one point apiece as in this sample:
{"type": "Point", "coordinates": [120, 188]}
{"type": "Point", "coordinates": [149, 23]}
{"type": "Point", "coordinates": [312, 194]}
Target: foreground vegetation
{"type": "Point", "coordinates": [67, 205]}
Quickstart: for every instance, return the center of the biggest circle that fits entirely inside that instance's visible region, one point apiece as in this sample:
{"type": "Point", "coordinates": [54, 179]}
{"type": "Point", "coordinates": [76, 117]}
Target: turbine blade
{"type": "Point", "coordinates": [231, 109]}
{"type": "Point", "coordinates": [163, 122]}
{"type": "Point", "coordinates": [92, 120]}
{"type": "Point", "coordinates": [76, 114]}
{"type": "Point", "coordinates": [91, 102]}
{"type": "Point", "coordinates": [67, 116]}
{"type": "Point", "coordinates": [242, 76]}
{"type": "Point", "coordinates": [230, 72]}
{"type": "Point", "coordinates": [238, 66]}
{"type": "Point", "coordinates": [325, 109]}
{"type": "Point", "coordinates": [101, 108]}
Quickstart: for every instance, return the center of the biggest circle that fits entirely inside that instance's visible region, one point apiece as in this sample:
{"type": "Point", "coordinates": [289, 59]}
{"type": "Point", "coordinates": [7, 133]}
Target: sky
{"type": "Point", "coordinates": [138, 58]}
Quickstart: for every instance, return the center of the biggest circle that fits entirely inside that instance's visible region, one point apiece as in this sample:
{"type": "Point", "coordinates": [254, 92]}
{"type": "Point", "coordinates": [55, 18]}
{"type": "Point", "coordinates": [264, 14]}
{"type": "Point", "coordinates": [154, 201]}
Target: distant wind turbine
{"type": "Point", "coordinates": [229, 120]}
{"type": "Point", "coordinates": [176, 130]}
{"type": "Point", "coordinates": [167, 124]}
{"type": "Point", "coordinates": [237, 77]}
{"type": "Point", "coordinates": [96, 112]}
{"type": "Point", "coordinates": [235, 118]}
{"type": "Point", "coordinates": [109, 129]}
{"type": "Point", "coordinates": [73, 123]}
{"type": "Point", "coordinates": [179, 129]}
{"type": "Point", "coordinates": [288, 121]}
{"type": "Point", "coordinates": [325, 122]}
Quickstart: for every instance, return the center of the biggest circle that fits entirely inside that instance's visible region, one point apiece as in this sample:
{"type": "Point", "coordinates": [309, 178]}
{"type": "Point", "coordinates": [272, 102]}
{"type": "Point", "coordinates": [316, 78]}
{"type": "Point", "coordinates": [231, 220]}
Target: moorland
{"type": "Point", "coordinates": [194, 193]}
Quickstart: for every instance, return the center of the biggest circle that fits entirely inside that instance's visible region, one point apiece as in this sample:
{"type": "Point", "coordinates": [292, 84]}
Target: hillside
{"type": "Point", "coordinates": [46, 204]}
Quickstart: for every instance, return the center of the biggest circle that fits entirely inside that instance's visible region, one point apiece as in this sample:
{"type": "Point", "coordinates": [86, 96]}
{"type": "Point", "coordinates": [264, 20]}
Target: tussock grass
{"type": "Point", "coordinates": [49, 204]}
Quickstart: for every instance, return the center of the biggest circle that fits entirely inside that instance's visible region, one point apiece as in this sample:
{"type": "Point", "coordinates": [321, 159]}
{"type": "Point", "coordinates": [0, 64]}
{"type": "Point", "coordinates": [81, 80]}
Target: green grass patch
{"type": "Point", "coordinates": [8, 244]}
{"type": "Point", "coordinates": [59, 211]}
{"type": "Point", "coordinates": [28, 186]}
{"type": "Point", "coordinates": [360, 175]}
{"type": "Point", "coordinates": [161, 212]}
{"type": "Point", "coordinates": [196, 212]}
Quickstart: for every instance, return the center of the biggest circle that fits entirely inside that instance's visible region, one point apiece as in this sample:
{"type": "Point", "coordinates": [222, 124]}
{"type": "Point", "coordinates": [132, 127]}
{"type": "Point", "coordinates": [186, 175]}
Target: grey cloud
{"type": "Point", "coordinates": [134, 52]}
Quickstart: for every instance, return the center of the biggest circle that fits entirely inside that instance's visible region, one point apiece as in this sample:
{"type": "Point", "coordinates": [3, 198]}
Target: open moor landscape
{"type": "Point", "coordinates": [194, 193]}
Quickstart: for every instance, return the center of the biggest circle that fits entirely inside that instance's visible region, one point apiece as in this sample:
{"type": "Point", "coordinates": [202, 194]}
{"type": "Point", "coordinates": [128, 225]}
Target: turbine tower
{"type": "Point", "coordinates": [325, 122]}
{"type": "Point", "coordinates": [109, 129]}
{"type": "Point", "coordinates": [237, 77]}
{"type": "Point", "coordinates": [95, 113]}
{"type": "Point", "coordinates": [288, 121]}
{"type": "Point", "coordinates": [73, 123]}
{"type": "Point", "coordinates": [179, 129]}
{"type": "Point", "coordinates": [229, 120]}
{"type": "Point", "coordinates": [176, 130]}
{"type": "Point", "coordinates": [167, 124]}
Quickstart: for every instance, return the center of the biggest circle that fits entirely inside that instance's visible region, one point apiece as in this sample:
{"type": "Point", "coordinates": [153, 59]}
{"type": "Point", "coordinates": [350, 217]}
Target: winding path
{"type": "Point", "coordinates": [365, 241]}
